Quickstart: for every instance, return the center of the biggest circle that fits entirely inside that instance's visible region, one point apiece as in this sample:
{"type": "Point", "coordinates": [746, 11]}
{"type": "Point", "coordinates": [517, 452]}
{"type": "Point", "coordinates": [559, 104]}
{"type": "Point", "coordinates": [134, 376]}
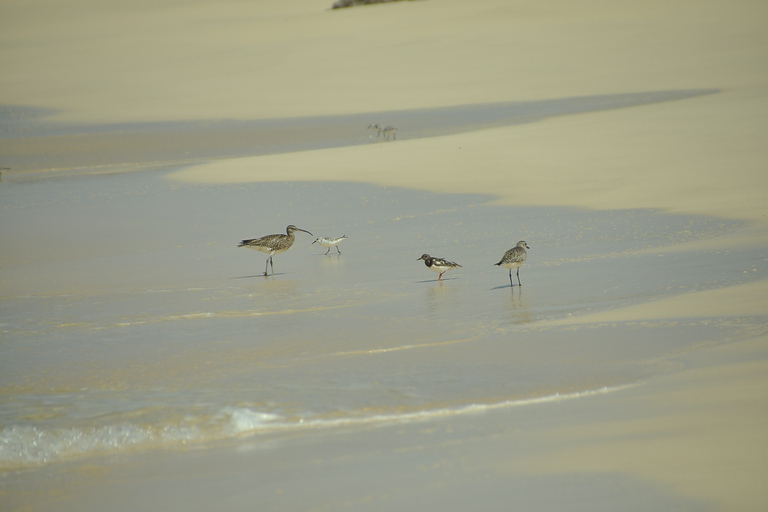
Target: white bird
{"type": "Point", "coordinates": [330, 242]}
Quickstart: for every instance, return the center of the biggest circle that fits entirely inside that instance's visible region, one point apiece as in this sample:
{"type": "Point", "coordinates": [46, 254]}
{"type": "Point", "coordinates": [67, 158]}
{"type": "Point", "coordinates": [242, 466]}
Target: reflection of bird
{"type": "Point", "coordinates": [438, 264]}
{"type": "Point", "coordinates": [513, 258]}
{"type": "Point", "coordinates": [273, 244]}
{"type": "Point", "coordinates": [330, 242]}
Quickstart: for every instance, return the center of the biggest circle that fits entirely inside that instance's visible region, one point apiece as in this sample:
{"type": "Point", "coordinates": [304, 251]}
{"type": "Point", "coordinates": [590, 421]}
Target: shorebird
{"type": "Point", "coordinates": [438, 264]}
{"type": "Point", "coordinates": [330, 242]}
{"type": "Point", "coordinates": [513, 258]}
{"type": "Point", "coordinates": [389, 130]}
{"type": "Point", "coordinates": [273, 244]}
{"type": "Point", "coordinates": [386, 130]}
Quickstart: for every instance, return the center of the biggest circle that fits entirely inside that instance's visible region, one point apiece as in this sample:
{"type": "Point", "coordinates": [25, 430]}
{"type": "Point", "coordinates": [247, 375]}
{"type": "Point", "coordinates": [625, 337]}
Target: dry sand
{"type": "Point", "coordinates": [700, 432]}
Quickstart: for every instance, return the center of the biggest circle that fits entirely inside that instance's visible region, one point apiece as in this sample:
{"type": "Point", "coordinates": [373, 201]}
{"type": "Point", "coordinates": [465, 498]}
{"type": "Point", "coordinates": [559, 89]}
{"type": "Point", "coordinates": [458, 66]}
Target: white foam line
{"type": "Point", "coordinates": [437, 413]}
{"type": "Point", "coordinates": [401, 347]}
{"type": "Point", "coordinates": [30, 446]}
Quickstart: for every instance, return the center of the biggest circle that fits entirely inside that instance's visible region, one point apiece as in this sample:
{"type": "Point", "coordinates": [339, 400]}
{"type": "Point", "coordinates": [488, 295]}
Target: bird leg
{"type": "Point", "coordinates": [337, 248]}
{"type": "Point", "coordinates": [510, 278]}
{"type": "Point", "coordinates": [518, 277]}
{"type": "Point", "coordinates": [329, 250]}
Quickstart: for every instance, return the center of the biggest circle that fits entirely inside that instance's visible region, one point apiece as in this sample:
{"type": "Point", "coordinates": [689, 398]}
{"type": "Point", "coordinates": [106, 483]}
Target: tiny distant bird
{"type": "Point", "coordinates": [513, 258]}
{"type": "Point", "coordinates": [273, 244]}
{"type": "Point", "coordinates": [438, 264]}
{"type": "Point", "coordinates": [330, 242]}
{"type": "Point", "coordinates": [386, 130]}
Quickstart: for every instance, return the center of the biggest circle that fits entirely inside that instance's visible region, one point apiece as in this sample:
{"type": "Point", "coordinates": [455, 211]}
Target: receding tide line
{"type": "Point", "coordinates": [96, 147]}
{"type": "Point", "coordinates": [223, 314]}
{"type": "Point", "coordinates": [431, 414]}
{"type": "Point", "coordinates": [24, 446]}
{"type": "Point", "coordinates": [402, 347]}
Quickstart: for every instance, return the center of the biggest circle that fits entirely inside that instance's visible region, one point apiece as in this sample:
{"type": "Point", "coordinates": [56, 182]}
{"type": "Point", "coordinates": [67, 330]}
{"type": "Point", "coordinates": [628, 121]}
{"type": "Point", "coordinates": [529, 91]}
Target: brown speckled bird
{"type": "Point", "coordinates": [273, 244]}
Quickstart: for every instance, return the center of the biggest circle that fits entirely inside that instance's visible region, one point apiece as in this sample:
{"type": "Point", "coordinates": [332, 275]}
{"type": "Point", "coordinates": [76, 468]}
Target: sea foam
{"type": "Point", "coordinates": [28, 445]}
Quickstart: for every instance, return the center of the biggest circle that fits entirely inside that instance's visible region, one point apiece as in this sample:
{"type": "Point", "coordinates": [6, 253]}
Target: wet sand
{"type": "Point", "coordinates": [681, 422]}
{"type": "Point", "coordinates": [34, 145]}
{"type": "Point", "coordinates": [693, 440]}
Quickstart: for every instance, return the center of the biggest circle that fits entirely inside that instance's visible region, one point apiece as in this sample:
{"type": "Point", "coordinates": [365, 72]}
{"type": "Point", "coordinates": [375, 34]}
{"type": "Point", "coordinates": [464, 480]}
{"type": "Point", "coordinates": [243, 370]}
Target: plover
{"type": "Point", "coordinates": [513, 258]}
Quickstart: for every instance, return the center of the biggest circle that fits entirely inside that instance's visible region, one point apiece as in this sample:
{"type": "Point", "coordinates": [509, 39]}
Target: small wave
{"type": "Point", "coordinates": [24, 445]}
{"type": "Point", "coordinates": [242, 419]}
{"type": "Point", "coordinates": [29, 445]}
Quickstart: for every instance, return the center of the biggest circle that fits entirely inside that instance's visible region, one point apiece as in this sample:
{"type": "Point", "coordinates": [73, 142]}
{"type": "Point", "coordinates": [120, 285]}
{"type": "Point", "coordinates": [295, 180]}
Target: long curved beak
{"type": "Point", "coordinates": [304, 230]}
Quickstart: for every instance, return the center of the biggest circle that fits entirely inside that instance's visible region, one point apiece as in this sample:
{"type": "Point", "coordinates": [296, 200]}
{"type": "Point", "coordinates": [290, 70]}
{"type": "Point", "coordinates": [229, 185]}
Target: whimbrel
{"type": "Point", "coordinates": [273, 244]}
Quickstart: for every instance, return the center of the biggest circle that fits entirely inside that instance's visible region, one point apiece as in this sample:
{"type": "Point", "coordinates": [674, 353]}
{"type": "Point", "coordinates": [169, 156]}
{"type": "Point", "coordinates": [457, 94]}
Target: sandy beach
{"type": "Point", "coordinates": [145, 363]}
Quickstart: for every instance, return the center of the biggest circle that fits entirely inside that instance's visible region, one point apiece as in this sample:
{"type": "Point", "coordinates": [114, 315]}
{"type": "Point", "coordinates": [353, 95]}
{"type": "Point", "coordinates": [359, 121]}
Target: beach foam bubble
{"type": "Point", "coordinates": [243, 419]}
{"type": "Point", "coordinates": [239, 420]}
{"type": "Point", "coordinates": [22, 445]}
{"type": "Point", "coordinates": [30, 445]}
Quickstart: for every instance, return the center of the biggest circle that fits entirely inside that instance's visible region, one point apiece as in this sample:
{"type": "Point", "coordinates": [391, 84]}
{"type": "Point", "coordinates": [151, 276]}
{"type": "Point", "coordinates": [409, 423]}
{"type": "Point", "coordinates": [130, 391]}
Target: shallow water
{"type": "Point", "coordinates": [30, 141]}
{"type": "Point", "coordinates": [131, 320]}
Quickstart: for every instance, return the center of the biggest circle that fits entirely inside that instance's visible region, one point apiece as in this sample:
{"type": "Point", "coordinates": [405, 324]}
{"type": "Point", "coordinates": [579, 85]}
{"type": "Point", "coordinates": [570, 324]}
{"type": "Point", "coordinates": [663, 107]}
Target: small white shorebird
{"type": "Point", "coordinates": [513, 258]}
{"type": "Point", "coordinates": [438, 264]}
{"type": "Point", "coordinates": [330, 242]}
{"type": "Point", "coordinates": [273, 244]}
